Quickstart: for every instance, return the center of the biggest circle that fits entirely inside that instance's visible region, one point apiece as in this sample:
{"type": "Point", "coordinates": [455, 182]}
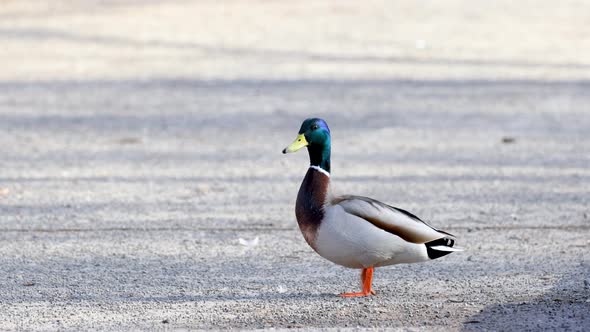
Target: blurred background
{"type": "Point", "coordinates": [141, 175]}
{"type": "Point", "coordinates": [256, 40]}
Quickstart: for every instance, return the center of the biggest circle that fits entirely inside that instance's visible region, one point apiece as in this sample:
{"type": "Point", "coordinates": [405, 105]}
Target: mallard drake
{"type": "Point", "coordinates": [354, 231]}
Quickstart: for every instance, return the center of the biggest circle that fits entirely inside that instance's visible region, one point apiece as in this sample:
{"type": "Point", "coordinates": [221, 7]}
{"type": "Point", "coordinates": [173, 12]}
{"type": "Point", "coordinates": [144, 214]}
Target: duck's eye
{"type": "Point", "coordinates": [314, 127]}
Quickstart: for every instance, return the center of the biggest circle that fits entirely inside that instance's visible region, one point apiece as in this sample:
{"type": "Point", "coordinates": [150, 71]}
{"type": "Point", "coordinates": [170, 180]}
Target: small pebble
{"type": "Point", "coordinates": [129, 140]}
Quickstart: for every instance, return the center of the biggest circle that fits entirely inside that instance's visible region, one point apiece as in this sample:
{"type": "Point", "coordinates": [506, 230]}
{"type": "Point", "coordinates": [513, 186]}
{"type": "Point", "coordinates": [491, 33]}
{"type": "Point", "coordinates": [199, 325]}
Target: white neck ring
{"type": "Point", "coordinates": [321, 170]}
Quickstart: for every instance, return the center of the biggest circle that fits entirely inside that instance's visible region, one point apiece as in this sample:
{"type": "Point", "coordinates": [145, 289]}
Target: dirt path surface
{"type": "Point", "coordinates": [142, 184]}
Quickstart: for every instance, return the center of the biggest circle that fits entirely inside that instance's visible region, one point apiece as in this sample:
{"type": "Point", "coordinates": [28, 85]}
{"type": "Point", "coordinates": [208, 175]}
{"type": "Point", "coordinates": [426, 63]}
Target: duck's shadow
{"type": "Point", "coordinates": [564, 308]}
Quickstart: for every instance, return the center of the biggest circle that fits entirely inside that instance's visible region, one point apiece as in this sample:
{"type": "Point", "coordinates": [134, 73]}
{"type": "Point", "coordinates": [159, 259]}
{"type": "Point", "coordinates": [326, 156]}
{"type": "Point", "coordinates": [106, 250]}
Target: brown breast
{"type": "Point", "coordinates": [309, 208]}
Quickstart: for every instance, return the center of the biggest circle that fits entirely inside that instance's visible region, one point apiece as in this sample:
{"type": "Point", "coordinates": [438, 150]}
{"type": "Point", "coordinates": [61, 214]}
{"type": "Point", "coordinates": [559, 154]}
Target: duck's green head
{"type": "Point", "coordinates": [315, 135]}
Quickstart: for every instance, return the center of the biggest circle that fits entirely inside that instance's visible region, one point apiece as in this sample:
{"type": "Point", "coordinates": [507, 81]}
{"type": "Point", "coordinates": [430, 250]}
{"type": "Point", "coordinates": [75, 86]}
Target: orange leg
{"type": "Point", "coordinates": [366, 280]}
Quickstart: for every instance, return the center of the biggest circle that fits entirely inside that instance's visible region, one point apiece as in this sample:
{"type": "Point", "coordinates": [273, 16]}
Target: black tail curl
{"type": "Point", "coordinates": [436, 248]}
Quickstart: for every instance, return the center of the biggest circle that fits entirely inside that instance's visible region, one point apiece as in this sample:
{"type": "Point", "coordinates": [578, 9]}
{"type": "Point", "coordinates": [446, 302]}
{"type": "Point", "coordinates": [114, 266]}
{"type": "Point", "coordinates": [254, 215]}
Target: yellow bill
{"type": "Point", "coordinates": [299, 143]}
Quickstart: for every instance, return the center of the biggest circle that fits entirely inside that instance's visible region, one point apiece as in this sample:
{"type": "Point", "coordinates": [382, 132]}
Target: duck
{"type": "Point", "coordinates": [355, 231]}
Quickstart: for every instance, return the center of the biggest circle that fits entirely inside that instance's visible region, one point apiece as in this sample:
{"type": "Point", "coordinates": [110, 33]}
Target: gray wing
{"type": "Point", "coordinates": [391, 219]}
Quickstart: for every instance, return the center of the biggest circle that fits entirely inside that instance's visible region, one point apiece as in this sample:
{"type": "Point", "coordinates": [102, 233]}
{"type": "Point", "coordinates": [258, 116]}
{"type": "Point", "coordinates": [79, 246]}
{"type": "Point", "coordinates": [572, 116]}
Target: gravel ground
{"type": "Point", "coordinates": [142, 183]}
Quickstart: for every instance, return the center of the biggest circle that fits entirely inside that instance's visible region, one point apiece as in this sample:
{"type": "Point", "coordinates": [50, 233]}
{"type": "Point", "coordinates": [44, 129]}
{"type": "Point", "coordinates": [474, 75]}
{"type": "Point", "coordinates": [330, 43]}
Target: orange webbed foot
{"type": "Point", "coordinates": [359, 294]}
{"type": "Point", "coordinates": [366, 280]}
